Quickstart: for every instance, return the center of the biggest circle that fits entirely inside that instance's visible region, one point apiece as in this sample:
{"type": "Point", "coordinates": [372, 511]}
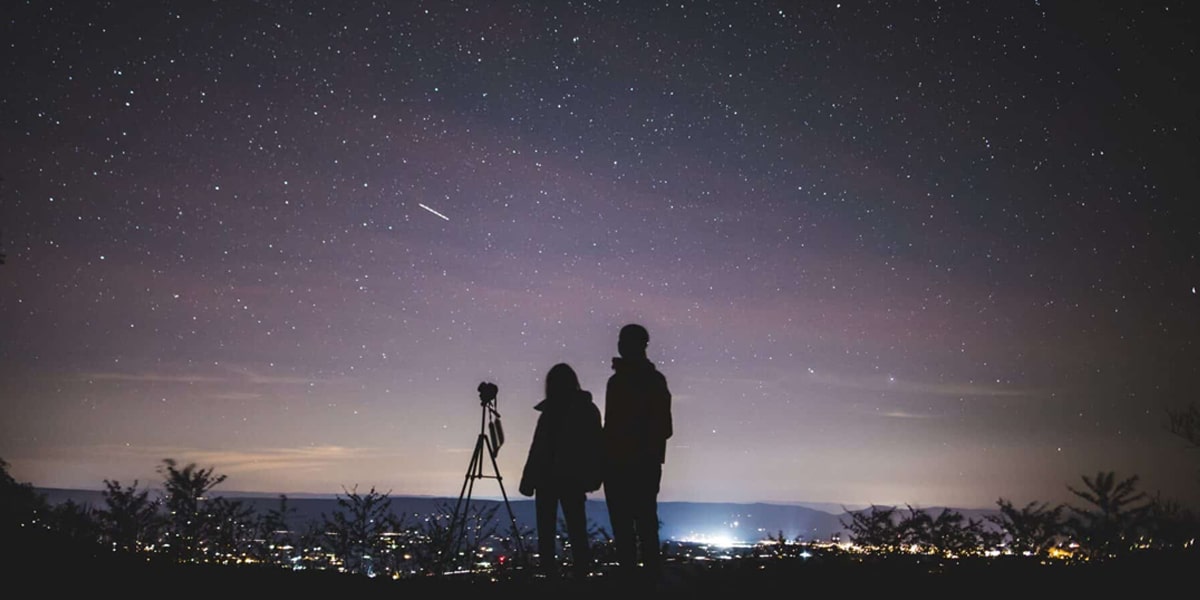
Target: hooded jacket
{"type": "Point", "coordinates": [567, 450]}
{"type": "Point", "coordinates": [637, 414]}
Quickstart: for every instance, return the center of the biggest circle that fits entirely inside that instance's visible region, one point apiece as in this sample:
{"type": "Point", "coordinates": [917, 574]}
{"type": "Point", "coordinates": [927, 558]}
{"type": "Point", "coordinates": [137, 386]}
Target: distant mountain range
{"type": "Point", "coordinates": [681, 521]}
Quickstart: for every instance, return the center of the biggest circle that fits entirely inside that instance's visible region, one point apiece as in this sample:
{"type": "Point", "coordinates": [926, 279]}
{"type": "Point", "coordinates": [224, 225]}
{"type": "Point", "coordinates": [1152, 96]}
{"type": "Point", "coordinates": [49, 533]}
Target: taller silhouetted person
{"type": "Point", "coordinates": [637, 424]}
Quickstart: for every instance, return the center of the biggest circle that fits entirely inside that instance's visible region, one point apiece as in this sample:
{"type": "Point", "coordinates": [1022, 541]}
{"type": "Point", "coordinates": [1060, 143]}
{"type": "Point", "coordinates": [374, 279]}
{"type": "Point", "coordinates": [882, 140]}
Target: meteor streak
{"type": "Point", "coordinates": [433, 211]}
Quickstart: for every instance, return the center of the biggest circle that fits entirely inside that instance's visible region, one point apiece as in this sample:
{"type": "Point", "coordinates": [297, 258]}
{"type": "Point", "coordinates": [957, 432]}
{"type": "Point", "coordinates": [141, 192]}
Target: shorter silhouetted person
{"type": "Point", "coordinates": [565, 463]}
{"type": "Point", "coordinates": [637, 424]}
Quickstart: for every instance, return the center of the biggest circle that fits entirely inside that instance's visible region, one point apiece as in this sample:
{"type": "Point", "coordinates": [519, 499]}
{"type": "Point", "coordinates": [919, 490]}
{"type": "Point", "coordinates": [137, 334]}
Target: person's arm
{"type": "Point", "coordinates": [534, 462]}
{"type": "Point", "coordinates": [667, 428]}
{"type": "Point", "coordinates": [609, 393]}
{"type": "Point", "coordinates": [595, 451]}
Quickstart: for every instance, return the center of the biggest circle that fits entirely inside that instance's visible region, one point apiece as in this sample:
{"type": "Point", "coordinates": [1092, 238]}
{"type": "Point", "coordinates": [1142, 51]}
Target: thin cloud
{"type": "Point", "coordinates": [899, 414]}
{"type": "Point", "coordinates": [242, 396]}
{"type": "Point", "coordinates": [251, 376]}
{"type": "Point", "coordinates": [231, 374]}
{"type": "Point", "coordinates": [279, 459]}
{"type": "Point", "coordinates": [237, 461]}
{"type": "Point", "coordinates": [153, 377]}
{"type": "Point", "coordinates": [880, 383]}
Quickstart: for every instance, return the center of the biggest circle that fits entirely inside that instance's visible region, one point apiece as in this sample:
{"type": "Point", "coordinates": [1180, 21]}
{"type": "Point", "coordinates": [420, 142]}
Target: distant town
{"type": "Point", "coordinates": [372, 534]}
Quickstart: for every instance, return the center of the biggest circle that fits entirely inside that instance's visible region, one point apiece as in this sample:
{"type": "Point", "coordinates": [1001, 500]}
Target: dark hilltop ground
{"type": "Point", "coordinates": [736, 582]}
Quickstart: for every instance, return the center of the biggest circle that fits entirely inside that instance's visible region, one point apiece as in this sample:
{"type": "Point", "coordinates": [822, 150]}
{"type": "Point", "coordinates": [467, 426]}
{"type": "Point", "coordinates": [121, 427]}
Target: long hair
{"type": "Point", "coordinates": [561, 380]}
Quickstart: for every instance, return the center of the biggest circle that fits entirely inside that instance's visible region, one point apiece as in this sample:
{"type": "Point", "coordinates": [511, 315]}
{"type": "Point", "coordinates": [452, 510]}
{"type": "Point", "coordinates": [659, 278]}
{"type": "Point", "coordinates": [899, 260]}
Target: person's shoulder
{"type": "Point", "coordinates": [660, 381]}
{"type": "Point", "coordinates": [657, 373]}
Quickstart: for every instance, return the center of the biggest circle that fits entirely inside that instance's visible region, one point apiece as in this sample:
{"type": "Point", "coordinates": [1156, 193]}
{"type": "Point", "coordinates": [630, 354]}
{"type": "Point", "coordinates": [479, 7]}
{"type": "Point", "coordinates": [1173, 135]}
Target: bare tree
{"type": "Point", "coordinates": [77, 524]}
{"type": "Point", "coordinates": [1115, 511]}
{"type": "Point", "coordinates": [947, 534]}
{"type": "Point", "coordinates": [276, 542]}
{"type": "Point", "coordinates": [1170, 525]}
{"type": "Point", "coordinates": [481, 529]}
{"type": "Point", "coordinates": [231, 529]}
{"type": "Point", "coordinates": [1032, 529]}
{"type": "Point", "coordinates": [190, 523]}
{"type": "Point", "coordinates": [20, 505]}
{"type": "Point", "coordinates": [432, 554]}
{"type": "Point", "coordinates": [1185, 423]}
{"type": "Point", "coordinates": [447, 546]}
{"type": "Point", "coordinates": [130, 520]}
{"type": "Point", "coordinates": [875, 530]}
{"type": "Point", "coordinates": [359, 531]}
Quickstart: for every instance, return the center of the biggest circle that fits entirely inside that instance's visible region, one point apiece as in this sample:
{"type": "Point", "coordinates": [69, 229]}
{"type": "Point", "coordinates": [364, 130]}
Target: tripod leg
{"type": "Point", "coordinates": [458, 523]}
{"type": "Point", "coordinates": [516, 531]}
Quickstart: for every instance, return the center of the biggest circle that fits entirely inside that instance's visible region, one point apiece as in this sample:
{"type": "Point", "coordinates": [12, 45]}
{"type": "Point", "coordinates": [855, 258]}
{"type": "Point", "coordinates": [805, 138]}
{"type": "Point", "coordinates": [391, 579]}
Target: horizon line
{"type": "Point", "coordinates": [813, 505]}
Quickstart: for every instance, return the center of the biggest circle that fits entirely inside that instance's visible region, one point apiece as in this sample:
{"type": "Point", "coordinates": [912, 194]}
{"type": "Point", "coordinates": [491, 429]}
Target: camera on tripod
{"type": "Point", "coordinates": [487, 399]}
{"type": "Point", "coordinates": [491, 437]}
{"type": "Point", "coordinates": [487, 393]}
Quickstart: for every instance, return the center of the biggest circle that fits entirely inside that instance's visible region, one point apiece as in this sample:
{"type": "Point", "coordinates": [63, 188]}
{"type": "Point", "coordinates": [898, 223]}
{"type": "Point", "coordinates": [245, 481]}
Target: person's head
{"type": "Point", "coordinates": [633, 341]}
{"type": "Point", "coordinates": [561, 380]}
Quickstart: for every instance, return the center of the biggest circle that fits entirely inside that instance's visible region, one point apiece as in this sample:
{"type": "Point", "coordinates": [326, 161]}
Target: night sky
{"type": "Point", "coordinates": [913, 252]}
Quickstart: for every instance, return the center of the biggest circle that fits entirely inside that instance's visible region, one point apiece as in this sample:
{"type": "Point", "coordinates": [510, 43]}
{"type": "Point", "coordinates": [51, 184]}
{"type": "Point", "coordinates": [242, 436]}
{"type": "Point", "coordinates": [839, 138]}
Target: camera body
{"type": "Point", "coordinates": [487, 392]}
{"type": "Point", "coordinates": [487, 399]}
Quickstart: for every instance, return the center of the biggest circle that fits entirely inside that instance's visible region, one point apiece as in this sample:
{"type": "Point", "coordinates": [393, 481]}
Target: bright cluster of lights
{"type": "Point", "coordinates": [718, 540]}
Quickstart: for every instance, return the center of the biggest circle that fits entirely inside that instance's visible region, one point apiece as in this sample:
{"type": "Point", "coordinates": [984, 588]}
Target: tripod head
{"type": "Point", "coordinates": [487, 393]}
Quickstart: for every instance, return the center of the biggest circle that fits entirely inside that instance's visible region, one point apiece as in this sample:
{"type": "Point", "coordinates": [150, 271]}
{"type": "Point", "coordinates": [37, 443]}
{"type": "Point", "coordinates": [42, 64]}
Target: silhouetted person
{"type": "Point", "coordinates": [637, 424]}
{"type": "Point", "coordinates": [565, 462]}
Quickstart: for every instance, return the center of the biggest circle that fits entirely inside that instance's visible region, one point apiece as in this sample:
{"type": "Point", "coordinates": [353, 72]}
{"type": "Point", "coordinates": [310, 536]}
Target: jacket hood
{"type": "Point", "coordinates": [579, 397]}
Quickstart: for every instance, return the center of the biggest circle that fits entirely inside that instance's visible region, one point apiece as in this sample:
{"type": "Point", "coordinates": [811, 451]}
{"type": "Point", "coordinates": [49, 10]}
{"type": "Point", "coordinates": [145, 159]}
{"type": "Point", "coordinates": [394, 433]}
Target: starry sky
{"type": "Point", "coordinates": [934, 253]}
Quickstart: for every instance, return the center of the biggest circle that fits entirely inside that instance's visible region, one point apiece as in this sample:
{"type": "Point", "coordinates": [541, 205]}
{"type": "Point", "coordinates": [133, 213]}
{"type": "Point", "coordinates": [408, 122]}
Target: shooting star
{"type": "Point", "coordinates": [433, 211]}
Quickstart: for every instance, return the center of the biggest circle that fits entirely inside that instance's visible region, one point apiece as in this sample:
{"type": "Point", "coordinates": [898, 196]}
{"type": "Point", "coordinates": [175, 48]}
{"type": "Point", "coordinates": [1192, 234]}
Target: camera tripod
{"type": "Point", "coordinates": [491, 437]}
